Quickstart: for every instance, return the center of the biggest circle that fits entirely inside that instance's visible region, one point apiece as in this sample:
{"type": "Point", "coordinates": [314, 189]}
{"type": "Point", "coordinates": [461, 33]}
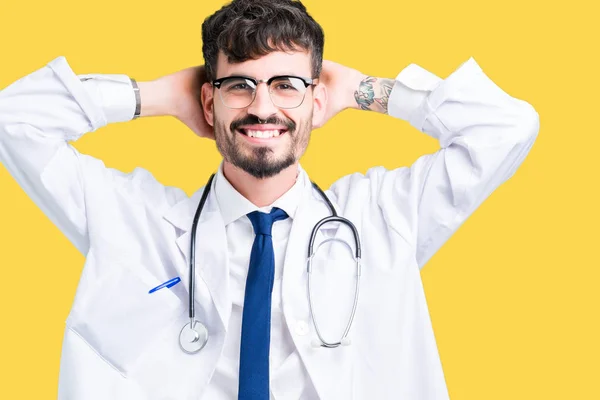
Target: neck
{"type": "Point", "coordinates": [260, 192]}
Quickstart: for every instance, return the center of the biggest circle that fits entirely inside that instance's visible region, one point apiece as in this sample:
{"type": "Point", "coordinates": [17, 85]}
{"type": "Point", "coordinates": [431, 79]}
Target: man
{"type": "Point", "coordinates": [260, 99]}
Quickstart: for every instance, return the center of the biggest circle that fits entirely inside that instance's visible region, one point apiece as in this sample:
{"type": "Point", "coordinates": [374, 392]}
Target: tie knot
{"type": "Point", "coordinates": [262, 222]}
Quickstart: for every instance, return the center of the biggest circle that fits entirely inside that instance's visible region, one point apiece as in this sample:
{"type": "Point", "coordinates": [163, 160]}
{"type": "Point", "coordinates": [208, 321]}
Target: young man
{"type": "Point", "coordinates": [264, 87]}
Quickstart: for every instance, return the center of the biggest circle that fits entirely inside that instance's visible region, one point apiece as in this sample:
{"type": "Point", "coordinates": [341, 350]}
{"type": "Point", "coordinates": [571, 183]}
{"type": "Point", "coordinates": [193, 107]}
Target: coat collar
{"type": "Point", "coordinates": [234, 206]}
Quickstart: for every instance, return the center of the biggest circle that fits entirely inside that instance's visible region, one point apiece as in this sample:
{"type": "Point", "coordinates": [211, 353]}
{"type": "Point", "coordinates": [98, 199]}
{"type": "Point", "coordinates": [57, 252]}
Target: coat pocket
{"type": "Point", "coordinates": [120, 320]}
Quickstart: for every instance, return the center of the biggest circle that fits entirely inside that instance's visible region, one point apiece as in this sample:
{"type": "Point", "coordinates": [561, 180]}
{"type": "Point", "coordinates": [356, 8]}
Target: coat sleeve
{"type": "Point", "coordinates": [39, 114]}
{"type": "Point", "coordinates": [484, 136]}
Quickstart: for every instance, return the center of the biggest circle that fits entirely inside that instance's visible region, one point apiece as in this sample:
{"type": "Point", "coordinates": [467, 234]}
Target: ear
{"type": "Point", "coordinates": [319, 105]}
{"type": "Point", "coordinates": [208, 103]}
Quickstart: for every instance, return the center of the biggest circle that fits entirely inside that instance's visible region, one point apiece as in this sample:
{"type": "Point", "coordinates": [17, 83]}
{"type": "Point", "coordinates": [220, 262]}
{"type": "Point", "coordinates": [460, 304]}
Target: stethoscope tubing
{"type": "Point", "coordinates": [191, 309]}
{"type": "Point", "coordinates": [332, 218]}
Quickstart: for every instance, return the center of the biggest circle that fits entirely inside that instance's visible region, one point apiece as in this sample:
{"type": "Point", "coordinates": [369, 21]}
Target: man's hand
{"type": "Point", "coordinates": [177, 95]}
{"type": "Point", "coordinates": [340, 82]}
{"type": "Point", "coordinates": [349, 88]}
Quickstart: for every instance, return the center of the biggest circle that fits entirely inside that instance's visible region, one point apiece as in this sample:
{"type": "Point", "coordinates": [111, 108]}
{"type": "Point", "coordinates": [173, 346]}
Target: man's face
{"type": "Point", "coordinates": [262, 138]}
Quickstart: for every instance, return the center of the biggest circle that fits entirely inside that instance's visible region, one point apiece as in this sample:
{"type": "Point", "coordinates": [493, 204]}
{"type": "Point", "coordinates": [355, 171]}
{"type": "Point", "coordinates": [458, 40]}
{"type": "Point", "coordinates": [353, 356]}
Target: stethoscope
{"type": "Point", "coordinates": [194, 335]}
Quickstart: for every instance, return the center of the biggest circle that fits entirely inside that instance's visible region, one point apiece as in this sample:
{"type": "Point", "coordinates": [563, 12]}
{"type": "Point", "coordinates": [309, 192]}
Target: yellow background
{"type": "Point", "coordinates": [514, 293]}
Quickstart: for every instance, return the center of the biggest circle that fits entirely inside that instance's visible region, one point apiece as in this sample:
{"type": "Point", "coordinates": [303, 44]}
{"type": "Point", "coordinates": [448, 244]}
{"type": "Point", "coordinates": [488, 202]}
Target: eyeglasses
{"type": "Point", "coordinates": [286, 91]}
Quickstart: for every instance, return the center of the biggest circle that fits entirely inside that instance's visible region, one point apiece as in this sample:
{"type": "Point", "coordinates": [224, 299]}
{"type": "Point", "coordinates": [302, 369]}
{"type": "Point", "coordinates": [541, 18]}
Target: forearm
{"type": "Point", "coordinates": [177, 95]}
{"type": "Point", "coordinates": [372, 94]}
{"type": "Point", "coordinates": [156, 99]}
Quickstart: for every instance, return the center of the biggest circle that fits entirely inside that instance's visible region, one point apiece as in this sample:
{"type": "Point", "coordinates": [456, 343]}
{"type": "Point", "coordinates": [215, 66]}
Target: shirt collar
{"type": "Point", "coordinates": [234, 206]}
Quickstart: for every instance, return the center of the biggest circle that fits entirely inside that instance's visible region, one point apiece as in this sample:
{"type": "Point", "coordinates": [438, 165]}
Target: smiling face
{"type": "Point", "coordinates": [262, 138]}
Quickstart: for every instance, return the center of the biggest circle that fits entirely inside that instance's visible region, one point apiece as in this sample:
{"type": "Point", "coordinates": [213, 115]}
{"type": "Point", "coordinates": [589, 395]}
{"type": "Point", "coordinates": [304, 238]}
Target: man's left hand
{"type": "Point", "coordinates": [340, 82]}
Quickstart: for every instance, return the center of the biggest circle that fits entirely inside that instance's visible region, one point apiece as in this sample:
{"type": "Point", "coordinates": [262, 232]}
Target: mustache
{"type": "Point", "coordinates": [253, 120]}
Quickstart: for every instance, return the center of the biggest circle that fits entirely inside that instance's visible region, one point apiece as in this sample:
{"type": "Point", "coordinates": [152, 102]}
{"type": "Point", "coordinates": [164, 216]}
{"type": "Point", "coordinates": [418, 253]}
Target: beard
{"type": "Point", "coordinates": [260, 161]}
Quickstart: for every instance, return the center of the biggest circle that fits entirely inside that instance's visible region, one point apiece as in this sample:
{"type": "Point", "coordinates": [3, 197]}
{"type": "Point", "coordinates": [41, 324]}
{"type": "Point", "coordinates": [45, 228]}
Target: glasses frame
{"type": "Point", "coordinates": [307, 82]}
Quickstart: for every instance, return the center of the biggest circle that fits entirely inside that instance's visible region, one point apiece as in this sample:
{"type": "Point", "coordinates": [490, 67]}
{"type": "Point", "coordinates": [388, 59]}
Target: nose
{"type": "Point", "coordinates": [262, 106]}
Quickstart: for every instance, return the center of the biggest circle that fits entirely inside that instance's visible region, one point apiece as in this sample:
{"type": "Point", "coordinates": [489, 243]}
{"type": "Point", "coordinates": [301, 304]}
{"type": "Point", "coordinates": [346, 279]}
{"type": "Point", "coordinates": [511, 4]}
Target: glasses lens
{"type": "Point", "coordinates": [287, 92]}
{"type": "Point", "coordinates": [237, 92]}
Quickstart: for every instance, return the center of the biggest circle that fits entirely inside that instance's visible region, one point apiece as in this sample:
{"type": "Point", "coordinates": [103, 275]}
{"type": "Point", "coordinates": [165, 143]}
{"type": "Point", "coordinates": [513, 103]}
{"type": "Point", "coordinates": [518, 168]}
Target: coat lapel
{"type": "Point", "coordinates": [330, 370]}
{"type": "Point", "coordinates": [212, 261]}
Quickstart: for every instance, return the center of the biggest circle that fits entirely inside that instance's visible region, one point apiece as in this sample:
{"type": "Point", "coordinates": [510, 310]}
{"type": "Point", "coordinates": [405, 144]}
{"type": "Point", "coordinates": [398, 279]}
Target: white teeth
{"type": "Point", "coordinates": [263, 134]}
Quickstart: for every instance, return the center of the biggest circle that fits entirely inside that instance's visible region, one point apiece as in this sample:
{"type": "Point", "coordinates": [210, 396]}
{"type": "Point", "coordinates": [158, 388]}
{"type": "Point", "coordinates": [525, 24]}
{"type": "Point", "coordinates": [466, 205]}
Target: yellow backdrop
{"type": "Point", "coordinates": [513, 295]}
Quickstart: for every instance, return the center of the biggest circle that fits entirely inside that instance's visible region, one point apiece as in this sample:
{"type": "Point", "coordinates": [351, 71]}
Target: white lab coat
{"type": "Point", "coordinates": [121, 343]}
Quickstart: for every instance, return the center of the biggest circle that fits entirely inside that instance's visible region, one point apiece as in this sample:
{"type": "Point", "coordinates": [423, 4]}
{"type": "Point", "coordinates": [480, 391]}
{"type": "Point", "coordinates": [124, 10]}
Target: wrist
{"type": "Point", "coordinates": [353, 88]}
{"type": "Point", "coordinates": [372, 94]}
{"type": "Point", "coordinates": [155, 99]}
{"type": "Point", "coordinates": [138, 102]}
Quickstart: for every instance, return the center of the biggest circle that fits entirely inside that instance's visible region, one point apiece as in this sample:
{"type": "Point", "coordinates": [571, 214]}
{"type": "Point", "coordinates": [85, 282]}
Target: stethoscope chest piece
{"type": "Point", "coordinates": [192, 339]}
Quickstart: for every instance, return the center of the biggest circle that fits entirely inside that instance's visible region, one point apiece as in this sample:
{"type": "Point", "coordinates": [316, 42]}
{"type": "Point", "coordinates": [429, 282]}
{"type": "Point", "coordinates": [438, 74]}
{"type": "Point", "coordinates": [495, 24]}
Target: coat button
{"type": "Point", "coordinates": [301, 328]}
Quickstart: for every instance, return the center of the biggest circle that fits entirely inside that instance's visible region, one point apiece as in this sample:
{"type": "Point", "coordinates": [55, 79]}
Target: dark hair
{"type": "Point", "coordinates": [249, 29]}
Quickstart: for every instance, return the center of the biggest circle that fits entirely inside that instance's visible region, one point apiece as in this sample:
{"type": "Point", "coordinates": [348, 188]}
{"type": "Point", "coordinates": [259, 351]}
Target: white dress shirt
{"type": "Point", "coordinates": [288, 377]}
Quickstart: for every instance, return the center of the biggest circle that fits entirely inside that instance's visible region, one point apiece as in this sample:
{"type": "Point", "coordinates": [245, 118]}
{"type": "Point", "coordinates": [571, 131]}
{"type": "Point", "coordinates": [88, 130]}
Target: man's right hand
{"type": "Point", "coordinates": [178, 95]}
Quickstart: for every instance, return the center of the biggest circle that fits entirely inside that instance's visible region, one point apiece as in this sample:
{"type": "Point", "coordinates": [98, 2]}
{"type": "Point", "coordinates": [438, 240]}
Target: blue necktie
{"type": "Point", "coordinates": [256, 318]}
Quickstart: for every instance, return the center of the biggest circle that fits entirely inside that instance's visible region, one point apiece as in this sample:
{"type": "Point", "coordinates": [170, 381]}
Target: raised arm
{"type": "Point", "coordinates": [484, 135]}
{"type": "Point", "coordinates": [41, 112]}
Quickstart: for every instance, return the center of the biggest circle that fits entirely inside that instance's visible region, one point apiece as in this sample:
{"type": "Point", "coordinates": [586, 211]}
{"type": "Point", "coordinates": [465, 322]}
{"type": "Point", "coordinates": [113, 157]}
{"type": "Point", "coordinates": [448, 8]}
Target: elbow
{"type": "Point", "coordinates": [527, 128]}
{"type": "Point", "coordinates": [529, 123]}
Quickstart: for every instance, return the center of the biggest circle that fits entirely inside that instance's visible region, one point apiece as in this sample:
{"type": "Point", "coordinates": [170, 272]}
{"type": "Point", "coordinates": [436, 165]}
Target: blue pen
{"type": "Point", "coordinates": [167, 284]}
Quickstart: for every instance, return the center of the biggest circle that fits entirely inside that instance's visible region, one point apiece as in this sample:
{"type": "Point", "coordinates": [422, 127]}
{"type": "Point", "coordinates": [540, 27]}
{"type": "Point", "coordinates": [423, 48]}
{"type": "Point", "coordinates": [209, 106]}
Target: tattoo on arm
{"type": "Point", "coordinates": [373, 94]}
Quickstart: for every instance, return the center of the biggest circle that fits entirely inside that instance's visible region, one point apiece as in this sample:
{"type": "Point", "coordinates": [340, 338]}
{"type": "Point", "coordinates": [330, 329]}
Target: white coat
{"type": "Point", "coordinates": [121, 343]}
